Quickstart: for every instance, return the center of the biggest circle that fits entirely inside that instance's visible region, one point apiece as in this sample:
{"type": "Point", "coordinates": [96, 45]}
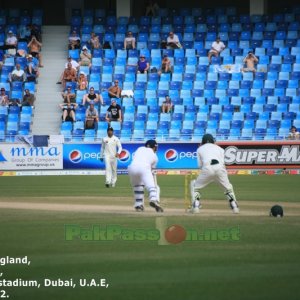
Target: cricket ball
{"type": "Point", "coordinates": [175, 234]}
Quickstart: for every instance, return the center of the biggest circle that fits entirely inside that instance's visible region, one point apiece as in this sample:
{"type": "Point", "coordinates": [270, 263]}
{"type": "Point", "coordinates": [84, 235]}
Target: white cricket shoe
{"type": "Point", "coordinates": [236, 210]}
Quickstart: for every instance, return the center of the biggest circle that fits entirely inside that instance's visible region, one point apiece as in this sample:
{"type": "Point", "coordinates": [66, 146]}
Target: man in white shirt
{"type": "Point", "coordinates": [216, 48]}
{"type": "Point", "coordinates": [110, 150]}
{"type": "Point", "coordinates": [129, 41]}
{"type": "Point", "coordinates": [140, 173]}
{"type": "Point", "coordinates": [173, 41]}
{"type": "Point", "coordinates": [17, 74]}
{"type": "Point", "coordinates": [212, 165]}
{"type": "Point", "coordinates": [11, 40]}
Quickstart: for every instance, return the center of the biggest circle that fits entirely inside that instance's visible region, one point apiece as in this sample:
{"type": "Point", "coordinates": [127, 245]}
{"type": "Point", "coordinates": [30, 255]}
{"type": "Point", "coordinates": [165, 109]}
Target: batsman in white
{"type": "Point", "coordinates": [211, 162]}
{"type": "Point", "coordinates": [141, 176]}
{"type": "Point", "coordinates": [110, 150]}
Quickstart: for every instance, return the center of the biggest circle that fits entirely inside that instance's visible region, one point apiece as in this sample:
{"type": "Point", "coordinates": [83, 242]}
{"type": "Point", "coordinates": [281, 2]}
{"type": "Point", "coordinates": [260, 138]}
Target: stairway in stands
{"type": "Point", "coordinates": [47, 113]}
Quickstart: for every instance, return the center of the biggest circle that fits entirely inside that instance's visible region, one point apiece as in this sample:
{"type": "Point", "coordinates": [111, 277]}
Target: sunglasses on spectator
{"type": "Point", "coordinates": [116, 81]}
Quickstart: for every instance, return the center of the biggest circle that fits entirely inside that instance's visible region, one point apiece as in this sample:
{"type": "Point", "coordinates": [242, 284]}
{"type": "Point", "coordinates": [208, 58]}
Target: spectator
{"type": "Point", "coordinates": [82, 82]}
{"type": "Point", "coordinates": [11, 43]}
{"type": "Point", "coordinates": [152, 8]}
{"type": "Point", "coordinates": [36, 31]}
{"type": "Point", "coordinates": [216, 48]}
{"type": "Point", "coordinates": [34, 47]}
{"type": "Point", "coordinates": [167, 105]}
{"type": "Point", "coordinates": [114, 112]}
{"type": "Point", "coordinates": [92, 97]}
{"type": "Point", "coordinates": [17, 74]}
{"type": "Point", "coordinates": [294, 134]}
{"type": "Point", "coordinates": [129, 41]}
{"type": "Point", "coordinates": [250, 61]}
{"type": "Point", "coordinates": [115, 91]}
{"type": "Point", "coordinates": [85, 57]}
{"type": "Point", "coordinates": [143, 64]}
{"type": "Point", "coordinates": [31, 69]}
{"type": "Point", "coordinates": [75, 66]}
{"type": "Point", "coordinates": [69, 75]}
{"type": "Point", "coordinates": [74, 40]}
{"type": "Point", "coordinates": [68, 112]}
{"type": "Point", "coordinates": [166, 65]}
{"type": "Point", "coordinates": [4, 100]}
{"type": "Point", "coordinates": [28, 98]}
{"type": "Point", "coordinates": [69, 96]}
{"type": "Point", "coordinates": [91, 118]}
{"type": "Point", "coordinates": [94, 41]}
{"type": "Point", "coordinates": [173, 41]}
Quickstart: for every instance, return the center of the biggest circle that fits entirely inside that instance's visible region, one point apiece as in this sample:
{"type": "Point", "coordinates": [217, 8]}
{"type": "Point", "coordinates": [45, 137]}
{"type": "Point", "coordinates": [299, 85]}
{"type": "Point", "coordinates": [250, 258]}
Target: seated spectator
{"type": "Point", "coordinates": [69, 96]}
{"type": "Point", "coordinates": [115, 91]}
{"type": "Point", "coordinates": [28, 98]}
{"type": "Point", "coordinates": [92, 97]}
{"type": "Point", "coordinates": [173, 41]}
{"type": "Point", "coordinates": [75, 66]}
{"type": "Point", "coordinates": [68, 112]}
{"type": "Point", "coordinates": [31, 69]}
{"type": "Point", "coordinates": [114, 112]}
{"type": "Point", "coordinates": [85, 57]}
{"type": "Point", "coordinates": [82, 82]}
{"type": "Point", "coordinates": [34, 47]}
{"type": "Point", "coordinates": [94, 41]}
{"type": "Point", "coordinates": [143, 65]}
{"type": "Point", "coordinates": [129, 41]}
{"type": "Point", "coordinates": [152, 8]}
{"type": "Point", "coordinates": [69, 75]}
{"type": "Point", "coordinates": [294, 134]}
{"type": "Point", "coordinates": [166, 65]}
{"type": "Point", "coordinates": [74, 40]}
{"type": "Point", "coordinates": [216, 48]}
{"type": "Point", "coordinates": [250, 61]}
{"type": "Point", "coordinates": [167, 105]}
{"type": "Point", "coordinates": [91, 118]}
{"type": "Point", "coordinates": [17, 74]}
{"type": "Point", "coordinates": [4, 100]}
{"type": "Point", "coordinates": [11, 43]}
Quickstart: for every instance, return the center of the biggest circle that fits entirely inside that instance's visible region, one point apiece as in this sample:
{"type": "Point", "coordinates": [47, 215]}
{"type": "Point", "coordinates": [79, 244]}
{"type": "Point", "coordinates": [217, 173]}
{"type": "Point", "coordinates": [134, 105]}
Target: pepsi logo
{"type": "Point", "coordinates": [171, 155]}
{"type": "Point", "coordinates": [75, 156]}
{"type": "Point", "coordinates": [124, 155]}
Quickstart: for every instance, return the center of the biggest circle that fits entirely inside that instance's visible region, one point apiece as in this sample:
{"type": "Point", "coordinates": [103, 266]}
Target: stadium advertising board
{"type": "Point", "coordinates": [23, 157]}
{"type": "Point", "coordinates": [183, 155]}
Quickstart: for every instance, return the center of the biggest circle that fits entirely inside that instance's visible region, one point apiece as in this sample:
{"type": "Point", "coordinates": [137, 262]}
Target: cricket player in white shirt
{"type": "Point", "coordinates": [211, 162]}
{"type": "Point", "coordinates": [110, 151]}
{"type": "Point", "coordinates": [141, 176]}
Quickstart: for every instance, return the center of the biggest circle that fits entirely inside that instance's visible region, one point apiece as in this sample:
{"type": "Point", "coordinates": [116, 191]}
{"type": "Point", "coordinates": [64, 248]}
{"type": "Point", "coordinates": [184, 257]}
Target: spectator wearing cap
{"type": "Point", "coordinates": [94, 41]}
{"type": "Point", "coordinates": [92, 97]}
{"type": "Point", "coordinates": [35, 47]}
{"type": "Point", "coordinates": [74, 40]}
{"type": "Point", "coordinates": [17, 74]}
{"type": "Point", "coordinates": [167, 105]}
{"type": "Point", "coordinates": [69, 75]}
{"type": "Point", "coordinates": [91, 117]}
{"type": "Point", "coordinates": [4, 100]}
{"type": "Point", "coordinates": [129, 41]}
{"type": "Point", "coordinates": [114, 112]}
{"type": "Point", "coordinates": [85, 57]}
{"type": "Point", "coordinates": [115, 91]}
{"type": "Point", "coordinates": [69, 96]}
{"type": "Point", "coordinates": [143, 65]}
{"type": "Point", "coordinates": [31, 69]}
{"type": "Point", "coordinates": [82, 82]}
{"type": "Point", "coordinates": [249, 62]}
{"type": "Point", "coordinates": [68, 111]}
{"type": "Point", "coordinates": [216, 48]}
{"type": "Point", "coordinates": [28, 98]}
{"type": "Point", "coordinates": [173, 41]}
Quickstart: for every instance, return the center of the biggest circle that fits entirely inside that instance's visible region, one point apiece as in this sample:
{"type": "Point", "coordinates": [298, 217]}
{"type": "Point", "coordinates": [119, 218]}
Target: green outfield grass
{"type": "Point", "coordinates": [263, 264]}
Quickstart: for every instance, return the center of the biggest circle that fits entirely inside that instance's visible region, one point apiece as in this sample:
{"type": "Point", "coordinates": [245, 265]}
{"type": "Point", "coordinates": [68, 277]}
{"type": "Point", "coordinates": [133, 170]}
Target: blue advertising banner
{"type": "Point", "coordinates": [171, 156]}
